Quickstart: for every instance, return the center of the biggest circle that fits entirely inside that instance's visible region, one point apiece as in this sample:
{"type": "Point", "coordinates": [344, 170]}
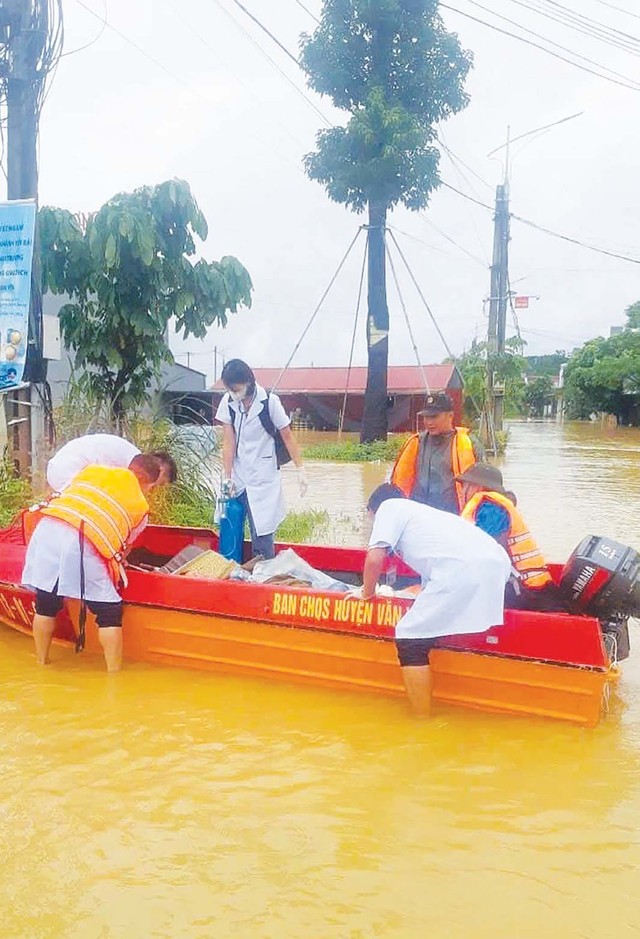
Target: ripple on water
{"type": "Point", "coordinates": [175, 804]}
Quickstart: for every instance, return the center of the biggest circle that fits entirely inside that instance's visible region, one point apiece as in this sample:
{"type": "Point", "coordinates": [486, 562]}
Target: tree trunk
{"type": "Point", "coordinates": [374, 418]}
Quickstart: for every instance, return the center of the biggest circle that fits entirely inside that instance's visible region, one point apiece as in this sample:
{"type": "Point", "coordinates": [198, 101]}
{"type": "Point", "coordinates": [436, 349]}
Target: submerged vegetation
{"type": "Point", "coordinates": [349, 451]}
{"type": "Point", "coordinates": [15, 494]}
{"type": "Point", "coordinates": [300, 527]}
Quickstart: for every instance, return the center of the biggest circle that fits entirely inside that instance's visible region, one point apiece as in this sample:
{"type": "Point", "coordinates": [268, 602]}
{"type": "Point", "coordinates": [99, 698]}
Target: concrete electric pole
{"type": "Point", "coordinates": [498, 302]}
{"type": "Point", "coordinates": [31, 41]}
{"type": "Point", "coordinates": [499, 295]}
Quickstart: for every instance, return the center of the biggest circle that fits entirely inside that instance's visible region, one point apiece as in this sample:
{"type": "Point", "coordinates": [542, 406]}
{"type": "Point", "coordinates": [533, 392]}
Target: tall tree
{"type": "Point", "coordinates": [128, 273]}
{"type": "Point", "coordinates": [398, 72]}
{"type": "Point", "coordinates": [633, 315]}
{"type": "Point", "coordinates": [604, 376]}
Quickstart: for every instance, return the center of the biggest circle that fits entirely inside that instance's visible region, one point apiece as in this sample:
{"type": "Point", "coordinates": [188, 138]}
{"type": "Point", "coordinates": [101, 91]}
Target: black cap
{"type": "Point", "coordinates": [483, 474]}
{"type": "Point", "coordinates": [437, 403]}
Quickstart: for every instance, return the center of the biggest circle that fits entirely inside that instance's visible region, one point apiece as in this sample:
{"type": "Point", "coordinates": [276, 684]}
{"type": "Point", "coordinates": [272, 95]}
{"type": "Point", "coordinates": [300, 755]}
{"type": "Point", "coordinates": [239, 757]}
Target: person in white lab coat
{"type": "Point", "coordinates": [463, 577]}
{"type": "Point", "coordinates": [100, 450]}
{"type": "Point", "coordinates": [256, 440]}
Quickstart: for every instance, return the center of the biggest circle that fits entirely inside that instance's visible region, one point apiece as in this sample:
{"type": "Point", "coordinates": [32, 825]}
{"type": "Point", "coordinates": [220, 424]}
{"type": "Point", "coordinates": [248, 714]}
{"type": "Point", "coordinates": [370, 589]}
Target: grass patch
{"type": "Point", "coordinates": [350, 451]}
{"type": "Point", "coordinates": [15, 494]}
{"type": "Point", "coordinates": [300, 527]}
{"type": "Point", "coordinates": [502, 439]}
{"type": "Point", "coordinates": [191, 500]}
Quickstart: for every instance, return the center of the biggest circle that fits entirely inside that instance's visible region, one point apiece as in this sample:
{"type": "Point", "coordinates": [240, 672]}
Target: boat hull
{"type": "Point", "coordinates": [536, 664]}
{"type": "Point", "coordinates": [331, 659]}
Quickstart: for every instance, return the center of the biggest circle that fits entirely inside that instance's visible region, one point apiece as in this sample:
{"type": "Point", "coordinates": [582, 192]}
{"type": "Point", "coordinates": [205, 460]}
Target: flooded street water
{"type": "Point", "coordinates": [173, 804]}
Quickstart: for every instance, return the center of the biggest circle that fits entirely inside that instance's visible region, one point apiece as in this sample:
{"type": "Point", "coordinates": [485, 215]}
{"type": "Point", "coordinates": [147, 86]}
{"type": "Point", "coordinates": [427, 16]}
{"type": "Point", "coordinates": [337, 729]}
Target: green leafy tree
{"type": "Point", "coordinates": [546, 364]}
{"type": "Point", "coordinates": [393, 66]}
{"type": "Point", "coordinates": [508, 369]}
{"type": "Point", "coordinates": [604, 376]}
{"type": "Point", "coordinates": [128, 273]}
{"type": "Point", "coordinates": [633, 315]}
{"type": "Point", "coordinates": [538, 393]}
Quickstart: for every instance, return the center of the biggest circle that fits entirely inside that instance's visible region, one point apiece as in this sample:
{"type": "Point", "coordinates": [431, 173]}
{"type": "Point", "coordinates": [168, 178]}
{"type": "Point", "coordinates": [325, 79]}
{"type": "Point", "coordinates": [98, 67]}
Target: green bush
{"type": "Point", "coordinates": [350, 451]}
{"type": "Point", "coordinates": [15, 494]}
{"type": "Point", "coordinates": [299, 527]}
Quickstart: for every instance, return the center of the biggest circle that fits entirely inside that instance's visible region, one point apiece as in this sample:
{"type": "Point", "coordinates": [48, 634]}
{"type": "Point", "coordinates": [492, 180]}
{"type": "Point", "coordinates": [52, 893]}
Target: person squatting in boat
{"type": "Point", "coordinates": [463, 580]}
{"type": "Point", "coordinates": [491, 508]}
{"type": "Point", "coordinates": [256, 440]}
{"type": "Point", "coordinates": [78, 547]}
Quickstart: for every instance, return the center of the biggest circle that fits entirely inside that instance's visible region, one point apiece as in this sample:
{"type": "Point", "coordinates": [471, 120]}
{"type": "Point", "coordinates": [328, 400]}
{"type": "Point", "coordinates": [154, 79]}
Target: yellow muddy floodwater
{"type": "Point", "coordinates": [172, 804]}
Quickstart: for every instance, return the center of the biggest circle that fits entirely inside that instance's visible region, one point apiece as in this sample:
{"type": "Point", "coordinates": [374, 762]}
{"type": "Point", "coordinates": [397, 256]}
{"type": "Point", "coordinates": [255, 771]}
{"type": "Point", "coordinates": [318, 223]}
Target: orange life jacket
{"type": "Point", "coordinates": [523, 550]}
{"type": "Point", "coordinates": [109, 504]}
{"type": "Point", "coordinates": [404, 474]}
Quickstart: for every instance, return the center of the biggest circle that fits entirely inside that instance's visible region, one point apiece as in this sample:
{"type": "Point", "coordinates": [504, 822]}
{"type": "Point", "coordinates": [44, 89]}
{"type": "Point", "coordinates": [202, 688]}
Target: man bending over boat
{"type": "Point", "coordinates": [100, 450]}
{"type": "Point", "coordinates": [78, 548]}
{"type": "Point", "coordinates": [490, 507]}
{"type": "Point", "coordinates": [463, 574]}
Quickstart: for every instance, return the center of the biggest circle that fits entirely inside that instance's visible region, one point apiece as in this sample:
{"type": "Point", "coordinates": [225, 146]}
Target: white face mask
{"type": "Point", "coordinates": [240, 394]}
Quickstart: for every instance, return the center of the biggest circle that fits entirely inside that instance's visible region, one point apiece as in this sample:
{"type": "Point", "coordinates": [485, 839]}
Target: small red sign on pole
{"type": "Point", "coordinates": [521, 303]}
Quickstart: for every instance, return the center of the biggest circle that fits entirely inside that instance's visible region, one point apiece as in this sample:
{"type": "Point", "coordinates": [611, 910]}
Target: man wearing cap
{"type": "Point", "coordinates": [428, 463]}
{"type": "Point", "coordinates": [489, 507]}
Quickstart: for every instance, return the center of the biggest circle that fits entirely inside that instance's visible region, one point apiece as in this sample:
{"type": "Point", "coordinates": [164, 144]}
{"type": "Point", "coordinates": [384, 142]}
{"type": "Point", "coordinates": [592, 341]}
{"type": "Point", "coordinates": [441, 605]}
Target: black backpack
{"type": "Point", "coordinates": [282, 454]}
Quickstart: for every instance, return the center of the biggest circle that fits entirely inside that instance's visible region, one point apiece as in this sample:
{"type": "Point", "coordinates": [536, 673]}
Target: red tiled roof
{"type": "Point", "coordinates": [401, 379]}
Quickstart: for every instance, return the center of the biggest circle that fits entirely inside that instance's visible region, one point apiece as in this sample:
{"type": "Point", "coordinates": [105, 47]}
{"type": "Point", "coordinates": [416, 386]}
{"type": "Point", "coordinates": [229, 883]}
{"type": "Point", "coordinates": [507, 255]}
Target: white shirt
{"type": "Point", "coordinates": [92, 449]}
{"type": "Point", "coordinates": [463, 573]}
{"type": "Point", "coordinates": [255, 468]}
{"type": "Point", "coordinates": [53, 558]}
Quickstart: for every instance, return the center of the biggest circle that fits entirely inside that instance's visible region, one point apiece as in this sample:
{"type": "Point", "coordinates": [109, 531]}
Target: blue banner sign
{"type": "Point", "coordinates": [17, 226]}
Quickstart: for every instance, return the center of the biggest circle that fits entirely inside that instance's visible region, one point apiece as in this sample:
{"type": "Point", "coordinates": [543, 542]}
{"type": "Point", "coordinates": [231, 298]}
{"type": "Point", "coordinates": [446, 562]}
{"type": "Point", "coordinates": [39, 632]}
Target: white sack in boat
{"type": "Point", "coordinates": [289, 563]}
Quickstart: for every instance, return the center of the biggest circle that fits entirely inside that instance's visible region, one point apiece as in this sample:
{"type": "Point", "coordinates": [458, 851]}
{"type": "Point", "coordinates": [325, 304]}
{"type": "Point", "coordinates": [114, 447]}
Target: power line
{"type": "Point", "coordinates": [575, 241]}
{"type": "Point", "coordinates": [546, 231]}
{"type": "Point", "coordinates": [574, 16]}
{"type": "Point", "coordinates": [551, 42]}
{"type": "Point", "coordinates": [535, 45]}
{"type": "Point", "coordinates": [581, 24]}
{"type": "Point", "coordinates": [95, 39]}
{"type": "Point", "coordinates": [144, 52]}
{"type": "Point", "coordinates": [420, 241]}
{"type": "Point", "coordinates": [260, 25]}
{"type": "Point", "coordinates": [175, 77]}
{"type": "Point", "coordinates": [461, 176]}
{"type": "Point", "coordinates": [448, 238]}
{"type": "Point", "coordinates": [198, 34]}
{"type": "Point", "coordinates": [454, 156]}
{"type": "Point", "coordinates": [612, 6]}
{"type": "Point", "coordinates": [266, 55]}
{"type": "Point", "coordinates": [308, 11]}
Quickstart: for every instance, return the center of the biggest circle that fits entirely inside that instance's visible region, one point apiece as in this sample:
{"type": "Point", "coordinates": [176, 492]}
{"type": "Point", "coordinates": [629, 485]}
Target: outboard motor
{"type": "Point", "coordinates": [602, 578]}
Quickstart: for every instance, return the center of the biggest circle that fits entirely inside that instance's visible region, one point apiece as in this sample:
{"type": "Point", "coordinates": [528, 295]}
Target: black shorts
{"type": "Point", "coordinates": [415, 651]}
{"type": "Point", "coordinates": [106, 614]}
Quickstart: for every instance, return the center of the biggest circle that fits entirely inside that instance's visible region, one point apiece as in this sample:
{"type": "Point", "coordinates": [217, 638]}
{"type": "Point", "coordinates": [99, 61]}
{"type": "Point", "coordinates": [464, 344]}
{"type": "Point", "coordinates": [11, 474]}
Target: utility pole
{"type": "Point", "coordinates": [215, 364]}
{"type": "Point", "coordinates": [498, 302]}
{"type": "Point", "coordinates": [499, 295]}
{"type": "Point", "coordinates": [33, 44]}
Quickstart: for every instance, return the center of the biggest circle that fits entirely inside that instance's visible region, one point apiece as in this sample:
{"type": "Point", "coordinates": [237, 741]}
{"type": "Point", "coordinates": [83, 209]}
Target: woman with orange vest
{"type": "Point", "coordinates": [427, 465]}
{"type": "Point", "coordinates": [78, 546]}
{"type": "Point", "coordinates": [489, 507]}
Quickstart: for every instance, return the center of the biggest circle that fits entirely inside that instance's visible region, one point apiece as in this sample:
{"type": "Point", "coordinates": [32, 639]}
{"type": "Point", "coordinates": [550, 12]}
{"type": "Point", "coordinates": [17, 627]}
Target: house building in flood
{"type": "Point", "coordinates": [316, 396]}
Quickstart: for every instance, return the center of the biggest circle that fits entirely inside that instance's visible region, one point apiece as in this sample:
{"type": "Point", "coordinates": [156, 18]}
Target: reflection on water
{"type": "Point", "coordinates": [571, 480]}
{"type": "Point", "coordinates": [175, 804]}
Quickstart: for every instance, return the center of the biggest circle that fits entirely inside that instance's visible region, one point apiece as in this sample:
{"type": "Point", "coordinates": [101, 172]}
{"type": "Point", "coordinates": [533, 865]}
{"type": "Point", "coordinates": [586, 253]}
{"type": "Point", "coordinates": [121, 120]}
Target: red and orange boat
{"type": "Point", "coordinates": [546, 664]}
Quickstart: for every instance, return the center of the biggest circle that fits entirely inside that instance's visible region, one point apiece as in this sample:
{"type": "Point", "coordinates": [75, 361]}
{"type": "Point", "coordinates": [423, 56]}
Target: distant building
{"type": "Point", "coordinates": [176, 383]}
{"type": "Point", "coordinates": [315, 396]}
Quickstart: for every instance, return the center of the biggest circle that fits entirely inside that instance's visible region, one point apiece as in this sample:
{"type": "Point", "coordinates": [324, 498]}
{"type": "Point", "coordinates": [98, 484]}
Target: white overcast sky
{"type": "Point", "coordinates": [216, 112]}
